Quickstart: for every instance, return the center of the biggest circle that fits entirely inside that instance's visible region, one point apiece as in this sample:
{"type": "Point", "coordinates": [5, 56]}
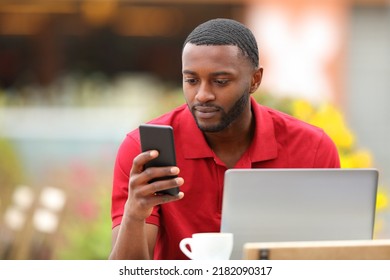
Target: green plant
{"type": "Point", "coordinates": [11, 171]}
{"type": "Point", "coordinates": [85, 237]}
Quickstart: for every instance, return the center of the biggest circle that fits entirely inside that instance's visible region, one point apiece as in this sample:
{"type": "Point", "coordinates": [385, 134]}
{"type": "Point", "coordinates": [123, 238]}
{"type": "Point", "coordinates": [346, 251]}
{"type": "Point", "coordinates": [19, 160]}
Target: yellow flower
{"type": "Point", "coordinates": [381, 201]}
{"type": "Point", "coordinates": [332, 122]}
{"type": "Point", "coordinates": [302, 109]}
{"type": "Point", "coordinates": [362, 159]}
{"type": "Point", "coordinates": [346, 161]}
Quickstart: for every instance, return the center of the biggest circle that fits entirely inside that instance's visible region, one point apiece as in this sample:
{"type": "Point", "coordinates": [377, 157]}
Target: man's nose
{"type": "Point", "coordinates": [205, 93]}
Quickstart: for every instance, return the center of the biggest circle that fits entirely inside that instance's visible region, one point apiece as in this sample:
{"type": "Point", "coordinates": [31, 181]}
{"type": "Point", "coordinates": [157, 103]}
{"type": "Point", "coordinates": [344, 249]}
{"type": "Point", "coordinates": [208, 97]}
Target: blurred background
{"type": "Point", "coordinates": [77, 75]}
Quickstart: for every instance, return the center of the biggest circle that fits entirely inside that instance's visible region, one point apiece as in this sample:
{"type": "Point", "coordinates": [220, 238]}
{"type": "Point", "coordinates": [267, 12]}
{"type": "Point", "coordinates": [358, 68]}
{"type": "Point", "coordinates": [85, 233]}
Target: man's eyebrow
{"type": "Point", "coordinates": [221, 73]}
{"type": "Point", "coordinates": [218, 73]}
{"type": "Point", "coordinates": [189, 72]}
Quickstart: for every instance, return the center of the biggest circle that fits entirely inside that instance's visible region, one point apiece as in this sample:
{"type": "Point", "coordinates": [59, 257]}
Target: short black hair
{"type": "Point", "coordinates": [222, 31]}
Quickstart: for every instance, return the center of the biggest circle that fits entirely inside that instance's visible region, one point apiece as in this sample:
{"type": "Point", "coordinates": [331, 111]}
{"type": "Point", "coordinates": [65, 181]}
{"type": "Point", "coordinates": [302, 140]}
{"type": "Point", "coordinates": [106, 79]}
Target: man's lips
{"type": "Point", "coordinates": [205, 112]}
{"type": "Point", "coordinates": [205, 109]}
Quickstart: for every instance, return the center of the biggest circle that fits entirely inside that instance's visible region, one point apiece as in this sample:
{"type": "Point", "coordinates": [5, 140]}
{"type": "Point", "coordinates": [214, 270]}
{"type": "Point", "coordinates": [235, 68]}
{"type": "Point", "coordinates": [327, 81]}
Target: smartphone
{"type": "Point", "coordinates": [160, 138]}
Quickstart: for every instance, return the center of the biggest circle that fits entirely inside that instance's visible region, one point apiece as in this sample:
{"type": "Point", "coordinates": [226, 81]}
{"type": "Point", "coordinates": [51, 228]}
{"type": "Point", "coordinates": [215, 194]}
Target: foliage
{"type": "Point", "coordinates": [11, 170]}
{"type": "Point", "coordinates": [88, 230]}
{"type": "Point", "coordinates": [85, 226]}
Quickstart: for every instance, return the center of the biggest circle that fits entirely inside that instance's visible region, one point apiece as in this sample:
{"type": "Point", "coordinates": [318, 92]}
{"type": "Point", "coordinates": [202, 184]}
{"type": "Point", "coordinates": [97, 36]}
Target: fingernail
{"type": "Point", "coordinates": [153, 153]}
{"type": "Point", "coordinates": [179, 181]}
{"type": "Point", "coordinates": [175, 170]}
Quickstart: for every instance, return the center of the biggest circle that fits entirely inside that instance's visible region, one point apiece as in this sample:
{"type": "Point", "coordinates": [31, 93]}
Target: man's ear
{"type": "Point", "coordinates": [256, 79]}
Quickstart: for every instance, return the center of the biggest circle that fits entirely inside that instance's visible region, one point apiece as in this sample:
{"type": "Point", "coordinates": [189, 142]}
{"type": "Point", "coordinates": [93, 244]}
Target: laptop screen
{"type": "Point", "coordinates": [271, 205]}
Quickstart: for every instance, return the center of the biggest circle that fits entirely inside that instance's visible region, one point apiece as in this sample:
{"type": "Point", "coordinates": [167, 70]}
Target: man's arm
{"type": "Point", "coordinates": [133, 238]}
{"type": "Point", "coordinates": [122, 249]}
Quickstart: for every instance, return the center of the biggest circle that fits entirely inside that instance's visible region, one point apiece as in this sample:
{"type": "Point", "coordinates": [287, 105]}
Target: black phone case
{"type": "Point", "coordinates": [160, 138]}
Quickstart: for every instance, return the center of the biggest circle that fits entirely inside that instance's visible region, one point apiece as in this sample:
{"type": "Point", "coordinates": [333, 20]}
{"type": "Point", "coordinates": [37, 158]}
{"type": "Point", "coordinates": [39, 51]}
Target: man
{"type": "Point", "coordinates": [220, 127]}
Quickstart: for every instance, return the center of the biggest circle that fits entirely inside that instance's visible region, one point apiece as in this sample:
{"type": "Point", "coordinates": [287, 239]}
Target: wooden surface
{"type": "Point", "coordinates": [319, 250]}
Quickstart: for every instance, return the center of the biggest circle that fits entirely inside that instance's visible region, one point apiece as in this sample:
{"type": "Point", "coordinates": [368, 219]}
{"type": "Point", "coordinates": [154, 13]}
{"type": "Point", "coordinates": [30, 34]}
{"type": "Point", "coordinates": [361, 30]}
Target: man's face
{"type": "Point", "coordinates": [216, 85]}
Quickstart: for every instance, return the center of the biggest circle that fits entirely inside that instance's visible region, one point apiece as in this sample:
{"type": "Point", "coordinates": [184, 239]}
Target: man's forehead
{"type": "Point", "coordinates": [205, 50]}
{"type": "Point", "coordinates": [224, 54]}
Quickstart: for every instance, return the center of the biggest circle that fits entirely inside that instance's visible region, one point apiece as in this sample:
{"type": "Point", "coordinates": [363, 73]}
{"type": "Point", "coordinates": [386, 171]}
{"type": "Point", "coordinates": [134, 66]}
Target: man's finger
{"type": "Point", "coordinates": [140, 160]}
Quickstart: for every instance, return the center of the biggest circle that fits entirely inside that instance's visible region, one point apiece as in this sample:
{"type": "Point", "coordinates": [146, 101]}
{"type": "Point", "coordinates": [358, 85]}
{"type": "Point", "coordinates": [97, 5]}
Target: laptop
{"type": "Point", "coordinates": [280, 205]}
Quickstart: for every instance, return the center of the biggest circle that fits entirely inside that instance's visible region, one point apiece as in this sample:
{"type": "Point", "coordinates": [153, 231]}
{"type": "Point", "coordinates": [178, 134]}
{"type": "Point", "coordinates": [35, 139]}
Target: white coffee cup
{"type": "Point", "coordinates": [208, 246]}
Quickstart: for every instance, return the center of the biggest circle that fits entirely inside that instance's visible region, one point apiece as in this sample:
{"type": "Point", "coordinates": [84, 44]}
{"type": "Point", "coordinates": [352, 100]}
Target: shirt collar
{"type": "Point", "coordinates": [263, 147]}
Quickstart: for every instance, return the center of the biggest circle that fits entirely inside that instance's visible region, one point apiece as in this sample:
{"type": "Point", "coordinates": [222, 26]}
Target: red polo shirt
{"type": "Point", "coordinates": [280, 141]}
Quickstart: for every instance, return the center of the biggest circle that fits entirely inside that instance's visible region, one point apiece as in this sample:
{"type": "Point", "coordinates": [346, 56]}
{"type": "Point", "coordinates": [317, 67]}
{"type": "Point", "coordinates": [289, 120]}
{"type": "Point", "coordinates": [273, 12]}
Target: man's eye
{"type": "Point", "coordinates": [221, 82]}
{"type": "Point", "coordinates": [190, 81]}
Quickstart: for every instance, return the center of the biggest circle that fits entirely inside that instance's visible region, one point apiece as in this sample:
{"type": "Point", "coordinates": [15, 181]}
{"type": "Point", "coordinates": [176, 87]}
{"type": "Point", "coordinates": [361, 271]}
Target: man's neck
{"type": "Point", "coordinates": [231, 143]}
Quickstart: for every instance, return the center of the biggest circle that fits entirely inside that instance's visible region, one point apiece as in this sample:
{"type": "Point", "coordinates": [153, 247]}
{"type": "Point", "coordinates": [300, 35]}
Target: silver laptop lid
{"type": "Point", "coordinates": [268, 205]}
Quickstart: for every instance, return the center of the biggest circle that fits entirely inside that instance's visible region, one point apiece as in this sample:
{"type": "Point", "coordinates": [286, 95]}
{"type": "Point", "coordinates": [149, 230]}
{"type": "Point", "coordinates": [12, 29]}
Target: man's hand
{"type": "Point", "coordinates": [142, 194]}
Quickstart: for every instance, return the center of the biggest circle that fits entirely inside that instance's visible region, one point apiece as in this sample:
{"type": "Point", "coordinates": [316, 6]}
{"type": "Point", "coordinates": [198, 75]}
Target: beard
{"type": "Point", "coordinates": [227, 117]}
